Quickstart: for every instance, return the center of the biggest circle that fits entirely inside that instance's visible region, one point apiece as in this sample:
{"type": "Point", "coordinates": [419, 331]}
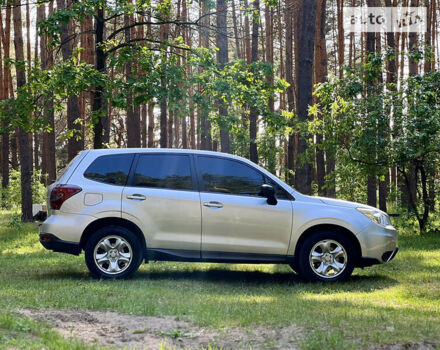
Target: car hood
{"type": "Point", "coordinates": [341, 203]}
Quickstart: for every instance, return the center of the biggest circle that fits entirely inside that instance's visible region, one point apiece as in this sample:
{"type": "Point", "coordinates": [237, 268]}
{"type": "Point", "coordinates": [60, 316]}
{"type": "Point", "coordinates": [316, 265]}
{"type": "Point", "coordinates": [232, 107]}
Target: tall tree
{"type": "Point", "coordinates": [6, 72]}
{"type": "Point", "coordinates": [99, 105]}
{"type": "Point", "coordinates": [321, 73]}
{"type": "Point", "coordinates": [247, 33]}
{"type": "Point", "coordinates": [253, 111]}
{"type": "Point", "coordinates": [164, 32]}
{"type": "Point", "coordinates": [205, 124]}
{"type": "Point", "coordinates": [371, 51]}
{"type": "Point", "coordinates": [133, 122]}
{"type": "Point", "coordinates": [305, 28]}
{"type": "Point", "coordinates": [48, 154]}
{"type": "Point", "coordinates": [341, 38]}
{"type": "Point", "coordinates": [76, 142]}
{"type": "Point", "coordinates": [290, 89]}
{"type": "Point", "coordinates": [413, 70]}
{"type": "Point", "coordinates": [25, 156]}
{"type": "Point", "coordinates": [222, 58]}
{"type": "Point", "coordinates": [391, 77]}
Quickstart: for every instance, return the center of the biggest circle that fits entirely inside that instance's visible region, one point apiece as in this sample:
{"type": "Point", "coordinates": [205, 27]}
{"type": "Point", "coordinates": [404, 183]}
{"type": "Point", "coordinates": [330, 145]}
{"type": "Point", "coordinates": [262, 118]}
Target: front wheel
{"type": "Point", "coordinates": [327, 257]}
{"type": "Point", "coordinates": [113, 252]}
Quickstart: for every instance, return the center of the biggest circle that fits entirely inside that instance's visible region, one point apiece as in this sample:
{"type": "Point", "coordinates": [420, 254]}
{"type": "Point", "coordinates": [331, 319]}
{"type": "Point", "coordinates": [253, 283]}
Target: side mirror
{"type": "Point", "coordinates": [267, 191]}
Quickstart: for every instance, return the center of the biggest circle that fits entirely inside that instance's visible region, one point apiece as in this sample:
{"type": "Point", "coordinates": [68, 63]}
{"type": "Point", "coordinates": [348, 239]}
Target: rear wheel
{"type": "Point", "coordinates": [326, 256]}
{"type": "Point", "coordinates": [113, 252]}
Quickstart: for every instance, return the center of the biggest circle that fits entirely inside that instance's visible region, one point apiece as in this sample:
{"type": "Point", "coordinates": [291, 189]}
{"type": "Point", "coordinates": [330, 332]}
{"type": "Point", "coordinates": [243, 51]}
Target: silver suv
{"type": "Point", "coordinates": [125, 206]}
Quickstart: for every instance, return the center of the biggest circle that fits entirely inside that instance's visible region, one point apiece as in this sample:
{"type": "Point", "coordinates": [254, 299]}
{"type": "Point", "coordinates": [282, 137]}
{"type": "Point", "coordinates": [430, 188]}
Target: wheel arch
{"type": "Point", "coordinates": [333, 228]}
{"type": "Point", "coordinates": [112, 221]}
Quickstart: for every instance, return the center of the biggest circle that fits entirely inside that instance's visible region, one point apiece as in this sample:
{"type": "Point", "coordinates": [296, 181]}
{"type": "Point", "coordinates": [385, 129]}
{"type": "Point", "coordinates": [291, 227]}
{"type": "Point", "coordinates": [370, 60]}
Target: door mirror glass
{"type": "Point", "coordinates": [267, 191]}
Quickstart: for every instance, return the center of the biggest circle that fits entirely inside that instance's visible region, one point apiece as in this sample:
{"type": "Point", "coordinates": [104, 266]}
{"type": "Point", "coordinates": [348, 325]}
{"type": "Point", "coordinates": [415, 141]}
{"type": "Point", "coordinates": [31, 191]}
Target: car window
{"type": "Point", "coordinates": [229, 176]}
{"type": "Point", "coordinates": [110, 169]}
{"type": "Point", "coordinates": [164, 171]}
{"type": "Point", "coordinates": [233, 177]}
{"type": "Point", "coordinates": [280, 192]}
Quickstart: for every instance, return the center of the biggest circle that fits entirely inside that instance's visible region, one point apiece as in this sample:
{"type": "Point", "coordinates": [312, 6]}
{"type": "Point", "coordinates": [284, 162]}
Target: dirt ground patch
{"type": "Point", "coordinates": [147, 332]}
{"type": "Point", "coordinates": [408, 346]}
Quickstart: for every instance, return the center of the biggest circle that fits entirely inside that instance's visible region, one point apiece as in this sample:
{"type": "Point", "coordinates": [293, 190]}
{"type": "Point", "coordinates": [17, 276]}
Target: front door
{"type": "Point", "coordinates": [162, 197]}
{"type": "Point", "coordinates": [234, 218]}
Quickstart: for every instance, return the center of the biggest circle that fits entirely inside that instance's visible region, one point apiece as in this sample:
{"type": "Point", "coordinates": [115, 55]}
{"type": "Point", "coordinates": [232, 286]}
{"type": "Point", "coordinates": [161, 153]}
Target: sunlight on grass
{"type": "Point", "coordinates": [392, 303]}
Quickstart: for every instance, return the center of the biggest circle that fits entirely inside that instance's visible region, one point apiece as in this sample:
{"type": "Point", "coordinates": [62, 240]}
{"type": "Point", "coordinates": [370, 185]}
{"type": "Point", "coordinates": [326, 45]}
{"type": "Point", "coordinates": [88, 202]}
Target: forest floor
{"type": "Point", "coordinates": [48, 300]}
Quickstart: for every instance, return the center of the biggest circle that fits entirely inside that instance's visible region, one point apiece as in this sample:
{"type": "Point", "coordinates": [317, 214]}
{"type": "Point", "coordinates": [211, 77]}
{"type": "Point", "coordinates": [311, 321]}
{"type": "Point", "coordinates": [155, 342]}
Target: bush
{"type": "Point", "coordinates": [11, 196]}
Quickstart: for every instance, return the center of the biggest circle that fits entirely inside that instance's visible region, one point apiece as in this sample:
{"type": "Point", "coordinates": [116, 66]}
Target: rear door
{"type": "Point", "coordinates": [162, 197]}
{"type": "Point", "coordinates": [234, 218]}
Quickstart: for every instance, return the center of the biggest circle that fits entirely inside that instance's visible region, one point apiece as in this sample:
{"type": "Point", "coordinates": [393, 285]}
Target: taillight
{"type": "Point", "coordinates": [61, 193]}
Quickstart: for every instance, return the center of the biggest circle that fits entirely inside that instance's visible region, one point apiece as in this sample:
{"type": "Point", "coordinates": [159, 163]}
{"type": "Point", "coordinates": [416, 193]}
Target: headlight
{"type": "Point", "coordinates": [375, 215]}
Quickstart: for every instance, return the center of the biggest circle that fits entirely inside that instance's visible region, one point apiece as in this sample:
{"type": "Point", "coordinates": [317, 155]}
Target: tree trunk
{"type": "Point", "coordinates": [133, 122]}
{"type": "Point", "coordinates": [150, 125]}
{"type": "Point", "coordinates": [48, 153]}
{"type": "Point", "coordinates": [247, 34]}
{"type": "Point", "coordinates": [25, 156]}
{"type": "Point", "coordinates": [253, 113]}
{"type": "Point", "coordinates": [236, 36]}
{"type": "Point", "coordinates": [412, 71]}
{"type": "Point", "coordinates": [371, 51]}
{"type": "Point", "coordinates": [76, 142]}
{"type": "Point", "coordinates": [341, 38]}
{"type": "Point", "coordinates": [281, 51]}
{"type": "Point", "coordinates": [205, 137]}
{"type": "Point", "coordinates": [304, 73]}
{"type": "Point", "coordinates": [268, 13]}
{"type": "Point", "coordinates": [321, 72]}
{"type": "Point", "coordinates": [144, 126]}
{"type": "Point", "coordinates": [164, 32]}
{"type": "Point", "coordinates": [5, 38]}
{"type": "Point", "coordinates": [170, 128]}
{"type": "Point", "coordinates": [99, 107]}
{"type": "Point", "coordinates": [222, 58]}
{"type": "Point", "coordinates": [290, 89]}
{"type": "Point", "coordinates": [428, 37]}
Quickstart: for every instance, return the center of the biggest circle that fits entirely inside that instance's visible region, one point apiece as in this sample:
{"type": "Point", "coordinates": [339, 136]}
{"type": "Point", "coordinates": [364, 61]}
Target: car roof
{"type": "Point", "coordinates": [104, 151]}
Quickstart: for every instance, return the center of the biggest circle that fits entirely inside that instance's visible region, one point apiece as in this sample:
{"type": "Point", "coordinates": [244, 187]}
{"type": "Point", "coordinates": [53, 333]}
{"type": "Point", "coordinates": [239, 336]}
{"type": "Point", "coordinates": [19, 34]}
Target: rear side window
{"type": "Point", "coordinates": [167, 171]}
{"type": "Point", "coordinates": [110, 169]}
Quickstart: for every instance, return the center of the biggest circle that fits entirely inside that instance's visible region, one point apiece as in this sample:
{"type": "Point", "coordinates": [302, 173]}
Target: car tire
{"type": "Point", "coordinates": [326, 257]}
{"type": "Point", "coordinates": [113, 252]}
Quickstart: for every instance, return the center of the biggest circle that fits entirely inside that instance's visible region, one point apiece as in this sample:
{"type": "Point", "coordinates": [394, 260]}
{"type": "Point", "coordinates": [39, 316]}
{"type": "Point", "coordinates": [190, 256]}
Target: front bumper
{"type": "Point", "coordinates": [52, 242]}
{"type": "Point", "coordinates": [378, 244]}
{"type": "Point", "coordinates": [386, 257]}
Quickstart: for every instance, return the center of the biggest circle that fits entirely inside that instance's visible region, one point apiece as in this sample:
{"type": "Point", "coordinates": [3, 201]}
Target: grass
{"type": "Point", "coordinates": [21, 333]}
{"type": "Point", "coordinates": [397, 302]}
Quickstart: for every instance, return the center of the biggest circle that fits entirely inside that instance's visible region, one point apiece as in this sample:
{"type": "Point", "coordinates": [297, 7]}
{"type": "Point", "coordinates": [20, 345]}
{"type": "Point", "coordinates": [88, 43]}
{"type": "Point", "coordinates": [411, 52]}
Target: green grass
{"type": "Point", "coordinates": [394, 303]}
{"type": "Point", "coordinates": [21, 333]}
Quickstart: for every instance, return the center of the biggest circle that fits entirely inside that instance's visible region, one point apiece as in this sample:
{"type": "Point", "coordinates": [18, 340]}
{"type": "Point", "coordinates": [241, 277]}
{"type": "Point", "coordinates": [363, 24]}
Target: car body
{"type": "Point", "coordinates": [125, 206]}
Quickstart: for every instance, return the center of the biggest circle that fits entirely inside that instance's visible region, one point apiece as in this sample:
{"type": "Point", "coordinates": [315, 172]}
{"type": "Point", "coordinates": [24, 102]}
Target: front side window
{"type": "Point", "coordinates": [168, 171]}
{"type": "Point", "coordinates": [110, 169]}
{"type": "Point", "coordinates": [229, 176]}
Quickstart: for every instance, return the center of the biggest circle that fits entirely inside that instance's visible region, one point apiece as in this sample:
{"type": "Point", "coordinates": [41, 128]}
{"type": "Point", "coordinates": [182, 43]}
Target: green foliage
{"type": "Point", "coordinates": [375, 127]}
{"type": "Point", "coordinates": [11, 196]}
{"type": "Point", "coordinates": [65, 79]}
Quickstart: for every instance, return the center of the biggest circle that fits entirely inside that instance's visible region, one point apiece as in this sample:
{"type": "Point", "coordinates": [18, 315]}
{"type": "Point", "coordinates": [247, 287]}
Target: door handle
{"type": "Point", "coordinates": [137, 197]}
{"type": "Point", "coordinates": [213, 204]}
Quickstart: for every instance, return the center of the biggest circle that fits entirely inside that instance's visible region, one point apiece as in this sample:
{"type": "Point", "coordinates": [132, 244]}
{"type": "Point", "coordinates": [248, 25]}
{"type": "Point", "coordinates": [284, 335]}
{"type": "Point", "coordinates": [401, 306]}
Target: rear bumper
{"type": "Point", "coordinates": [52, 242]}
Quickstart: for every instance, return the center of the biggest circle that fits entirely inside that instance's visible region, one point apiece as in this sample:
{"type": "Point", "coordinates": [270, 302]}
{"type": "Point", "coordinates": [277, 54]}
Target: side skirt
{"type": "Point", "coordinates": [216, 257]}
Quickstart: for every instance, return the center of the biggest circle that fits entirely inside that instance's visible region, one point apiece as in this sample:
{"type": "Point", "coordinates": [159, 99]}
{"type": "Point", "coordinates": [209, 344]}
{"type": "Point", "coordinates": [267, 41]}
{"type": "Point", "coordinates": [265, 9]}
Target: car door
{"type": "Point", "coordinates": [162, 197]}
{"type": "Point", "coordinates": [234, 218]}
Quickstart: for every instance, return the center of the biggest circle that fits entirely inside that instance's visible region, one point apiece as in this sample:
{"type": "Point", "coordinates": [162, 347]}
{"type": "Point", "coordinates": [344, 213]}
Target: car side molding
{"type": "Point", "coordinates": [153, 254]}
